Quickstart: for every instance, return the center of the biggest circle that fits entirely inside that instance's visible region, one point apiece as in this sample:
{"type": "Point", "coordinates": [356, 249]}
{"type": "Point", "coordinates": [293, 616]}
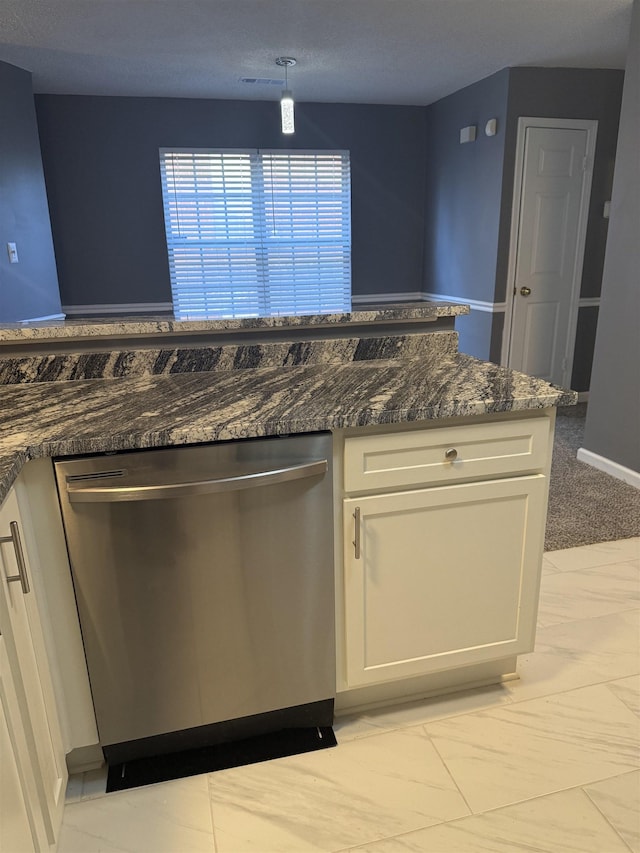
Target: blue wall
{"type": "Point", "coordinates": [428, 214]}
{"type": "Point", "coordinates": [28, 289]}
{"type": "Point", "coordinates": [463, 190]}
{"type": "Point", "coordinates": [469, 190]}
{"type": "Point", "coordinates": [103, 180]}
{"type": "Point", "coordinates": [613, 417]}
{"type": "Point", "coordinates": [463, 203]}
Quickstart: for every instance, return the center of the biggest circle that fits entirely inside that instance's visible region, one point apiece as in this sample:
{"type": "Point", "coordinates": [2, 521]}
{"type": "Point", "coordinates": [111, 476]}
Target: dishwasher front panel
{"type": "Point", "coordinates": [202, 603]}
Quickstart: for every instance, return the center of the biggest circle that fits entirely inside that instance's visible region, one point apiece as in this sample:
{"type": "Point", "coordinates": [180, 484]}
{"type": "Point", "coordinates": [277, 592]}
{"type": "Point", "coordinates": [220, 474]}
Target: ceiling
{"type": "Point", "coordinates": [352, 51]}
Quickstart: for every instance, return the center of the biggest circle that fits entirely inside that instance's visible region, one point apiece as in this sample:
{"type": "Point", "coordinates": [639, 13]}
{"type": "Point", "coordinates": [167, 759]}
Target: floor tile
{"type": "Point", "coordinates": [361, 791]}
{"type": "Point", "coordinates": [628, 691]}
{"type": "Point", "coordinates": [547, 567]}
{"type": "Point", "coordinates": [163, 818]}
{"type": "Point", "coordinates": [533, 748]}
{"type": "Point", "coordinates": [587, 593]}
{"type": "Point", "coordinates": [559, 823]}
{"type": "Point", "coordinates": [74, 788]}
{"type": "Point", "coordinates": [577, 654]}
{"type": "Point", "coordinates": [84, 786]}
{"type": "Point", "coordinates": [420, 711]}
{"type": "Point", "coordinates": [588, 556]}
{"type": "Point", "coordinates": [94, 782]}
{"type": "Point", "coordinates": [619, 801]}
{"type": "Point", "coordinates": [354, 726]}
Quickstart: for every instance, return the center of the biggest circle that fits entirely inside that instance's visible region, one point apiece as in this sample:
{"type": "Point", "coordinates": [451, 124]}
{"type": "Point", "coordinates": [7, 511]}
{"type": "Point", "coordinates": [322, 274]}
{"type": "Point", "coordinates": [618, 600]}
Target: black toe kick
{"type": "Point", "coordinates": [219, 746]}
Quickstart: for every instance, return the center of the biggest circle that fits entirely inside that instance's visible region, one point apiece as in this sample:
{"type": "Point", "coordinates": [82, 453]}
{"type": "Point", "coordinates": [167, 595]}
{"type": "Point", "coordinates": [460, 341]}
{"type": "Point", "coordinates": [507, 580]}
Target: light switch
{"type": "Point", "coordinates": [468, 134]}
{"type": "Point", "coordinates": [606, 210]}
{"type": "Point", "coordinates": [12, 251]}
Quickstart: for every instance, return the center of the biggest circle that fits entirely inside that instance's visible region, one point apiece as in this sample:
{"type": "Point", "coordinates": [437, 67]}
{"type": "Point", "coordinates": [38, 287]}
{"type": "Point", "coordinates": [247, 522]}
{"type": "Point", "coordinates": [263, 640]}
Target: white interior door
{"type": "Point", "coordinates": [554, 188]}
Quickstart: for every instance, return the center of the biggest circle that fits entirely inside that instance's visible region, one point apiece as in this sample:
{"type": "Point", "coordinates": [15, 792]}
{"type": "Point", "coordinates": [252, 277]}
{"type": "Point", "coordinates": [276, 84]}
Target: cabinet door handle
{"type": "Point", "coordinates": [14, 538]}
{"type": "Point", "coordinates": [356, 540]}
{"type": "Point", "coordinates": [451, 454]}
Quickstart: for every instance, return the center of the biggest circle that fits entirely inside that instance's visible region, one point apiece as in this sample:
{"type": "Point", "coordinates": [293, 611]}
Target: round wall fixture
{"type": "Point", "coordinates": [491, 127]}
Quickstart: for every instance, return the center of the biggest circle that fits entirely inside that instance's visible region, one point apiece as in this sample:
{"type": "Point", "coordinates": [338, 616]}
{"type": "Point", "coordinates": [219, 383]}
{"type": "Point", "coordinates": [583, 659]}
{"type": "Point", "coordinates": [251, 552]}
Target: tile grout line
{"type": "Point", "coordinates": [571, 690]}
{"type": "Point", "coordinates": [422, 724]}
{"type": "Point", "coordinates": [213, 822]}
{"type": "Point", "coordinates": [623, 559]}
{"type": "Point", "coordinates": [546, 627]}
{"type": "Point", "coordinates": [455, 820]}
{"type": "Point", "coordinates": [618, 699]}
{"type": "Point", "coordinates": [507, 707]}
{"type": "Point", "coordinates": [510, 700]}
{"type": "Point", "coordinates": [446, 767]}
{"type": "Point", "coordinates": [596, 806]}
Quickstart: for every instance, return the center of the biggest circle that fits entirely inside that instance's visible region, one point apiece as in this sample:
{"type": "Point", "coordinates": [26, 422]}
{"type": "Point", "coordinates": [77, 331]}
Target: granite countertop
{"type": "Point", "coordinates": [97, 415]}
{"type": "Point", "coordinates": [149, 325]}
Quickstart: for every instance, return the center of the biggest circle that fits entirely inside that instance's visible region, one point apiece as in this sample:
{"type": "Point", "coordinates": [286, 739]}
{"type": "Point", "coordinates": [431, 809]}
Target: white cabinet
{"type": "Point", "coordinates": [443, 576]}
{"type": "Point", "coordinates": [27, 664]}
{"type": "Point", "coordinates": [17, 783]}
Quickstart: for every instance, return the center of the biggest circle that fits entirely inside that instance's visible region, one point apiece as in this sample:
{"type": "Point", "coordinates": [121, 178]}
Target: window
{"type": "Point", "coordinates": [256, 233]}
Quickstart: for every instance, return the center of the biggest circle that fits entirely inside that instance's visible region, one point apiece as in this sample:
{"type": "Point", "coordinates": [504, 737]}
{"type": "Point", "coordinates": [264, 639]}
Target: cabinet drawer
{"type": "Point", "coordinates": [445, 454]}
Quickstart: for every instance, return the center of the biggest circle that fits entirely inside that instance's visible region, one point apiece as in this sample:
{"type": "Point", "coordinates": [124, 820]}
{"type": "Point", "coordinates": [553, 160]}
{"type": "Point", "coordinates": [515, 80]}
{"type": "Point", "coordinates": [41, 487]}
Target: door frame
{"type": "Point", "coordinates": [525, 122]}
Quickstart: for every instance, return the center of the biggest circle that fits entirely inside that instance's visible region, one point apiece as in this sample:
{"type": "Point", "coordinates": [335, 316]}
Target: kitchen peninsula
{"type": "Point", "coordinates": [440, 478]}
{"type": "Point", "coordinates": [170, 393]}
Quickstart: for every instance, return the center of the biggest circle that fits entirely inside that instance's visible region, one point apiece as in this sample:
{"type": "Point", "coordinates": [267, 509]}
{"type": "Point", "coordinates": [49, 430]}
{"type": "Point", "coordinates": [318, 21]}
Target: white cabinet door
{"type": "Point", "coordinates": [445, 577]}
{"type": "Point", "coordinates": [17, 786]}
{"type": "Point", "coordinates": [28, 661]}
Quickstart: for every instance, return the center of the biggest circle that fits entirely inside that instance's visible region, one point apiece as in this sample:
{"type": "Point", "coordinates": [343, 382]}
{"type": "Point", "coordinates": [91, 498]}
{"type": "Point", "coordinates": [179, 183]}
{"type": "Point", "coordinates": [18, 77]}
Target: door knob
{"type": "Point", "coordinates": [525, 291]}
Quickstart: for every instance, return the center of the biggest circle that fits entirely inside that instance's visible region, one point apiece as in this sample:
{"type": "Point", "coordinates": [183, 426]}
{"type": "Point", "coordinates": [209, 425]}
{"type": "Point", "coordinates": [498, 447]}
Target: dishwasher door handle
{"type": "Point", "coordinates": [113, 494]}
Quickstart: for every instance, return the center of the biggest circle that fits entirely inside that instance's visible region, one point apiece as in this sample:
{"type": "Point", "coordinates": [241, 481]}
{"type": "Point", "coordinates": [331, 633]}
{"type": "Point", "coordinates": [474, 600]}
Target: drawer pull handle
{"type": "Point", "coordinates": [356, 540]}
{"type": "Point", "coordinates": [14, 538]}
{"type": "Point", "coordinates": [451, 454]}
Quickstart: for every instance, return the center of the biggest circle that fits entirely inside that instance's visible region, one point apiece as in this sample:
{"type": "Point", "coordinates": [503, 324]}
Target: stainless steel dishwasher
{"type": "Point", "coordinates": [204, 583]}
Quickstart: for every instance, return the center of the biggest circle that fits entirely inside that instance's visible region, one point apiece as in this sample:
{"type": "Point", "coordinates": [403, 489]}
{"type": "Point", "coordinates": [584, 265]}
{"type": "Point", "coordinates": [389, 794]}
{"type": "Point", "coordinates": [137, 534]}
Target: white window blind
{"type": "Point", "coordinates": [257, 233]}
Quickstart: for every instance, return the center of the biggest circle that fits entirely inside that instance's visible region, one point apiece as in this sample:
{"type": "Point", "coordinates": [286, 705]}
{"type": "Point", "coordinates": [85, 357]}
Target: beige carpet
{"type": "Point", "coordinates": [585, 505]}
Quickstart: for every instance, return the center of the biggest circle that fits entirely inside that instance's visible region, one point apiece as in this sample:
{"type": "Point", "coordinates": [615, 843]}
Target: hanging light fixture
{"type": "Point", "coordinates": [286, 100]}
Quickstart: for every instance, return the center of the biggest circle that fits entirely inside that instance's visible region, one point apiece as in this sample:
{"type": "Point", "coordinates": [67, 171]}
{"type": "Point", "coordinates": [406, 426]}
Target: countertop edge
{"type": "Point", "coordinates": [141, 325]}
{"type": "Point", "coordinates": [15, 459]}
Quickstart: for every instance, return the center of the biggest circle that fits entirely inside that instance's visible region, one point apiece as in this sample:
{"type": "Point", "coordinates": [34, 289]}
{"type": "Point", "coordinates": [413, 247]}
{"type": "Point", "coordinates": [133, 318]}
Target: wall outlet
{"type": "Point", "coordinates": [12, 251]}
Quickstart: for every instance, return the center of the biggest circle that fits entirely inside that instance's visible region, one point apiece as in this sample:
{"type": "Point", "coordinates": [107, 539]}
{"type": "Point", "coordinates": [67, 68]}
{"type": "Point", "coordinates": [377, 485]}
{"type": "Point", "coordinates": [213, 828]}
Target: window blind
{"type": "Point", "coordinates": [257, 233]}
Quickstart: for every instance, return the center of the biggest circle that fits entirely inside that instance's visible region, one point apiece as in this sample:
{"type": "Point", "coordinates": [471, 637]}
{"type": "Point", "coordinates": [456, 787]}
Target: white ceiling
{"type": "Point", "coordinates": [354, 51]}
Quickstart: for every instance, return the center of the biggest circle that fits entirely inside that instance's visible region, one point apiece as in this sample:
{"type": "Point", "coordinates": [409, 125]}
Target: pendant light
{"type": "Point", "coordinates": [286, 100]}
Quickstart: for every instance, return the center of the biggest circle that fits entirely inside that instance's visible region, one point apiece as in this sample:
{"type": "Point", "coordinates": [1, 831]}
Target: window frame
{"type": "Point", "coordinates": [265, 284]}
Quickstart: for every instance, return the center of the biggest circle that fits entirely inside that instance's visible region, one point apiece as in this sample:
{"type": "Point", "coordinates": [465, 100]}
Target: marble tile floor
{"type": "Point", "coordinates": [550, 762]}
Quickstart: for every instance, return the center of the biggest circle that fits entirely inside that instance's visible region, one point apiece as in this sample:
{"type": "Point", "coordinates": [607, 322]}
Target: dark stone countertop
{"type": "Point", "coordinates": [97, 415]}
{"type": "Point", "coordinates": [139, 326]}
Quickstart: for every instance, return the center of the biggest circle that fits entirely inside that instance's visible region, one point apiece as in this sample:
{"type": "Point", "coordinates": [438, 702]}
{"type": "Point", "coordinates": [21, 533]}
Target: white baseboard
{"type": "Point", "coordinates": [616, 470]}
{"type": "Point", "coordinates": [124, 309]}
{"type": "Point", "coordinates": [377, 298]}
{"type": "Point", "coordinates": [589, 302]}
